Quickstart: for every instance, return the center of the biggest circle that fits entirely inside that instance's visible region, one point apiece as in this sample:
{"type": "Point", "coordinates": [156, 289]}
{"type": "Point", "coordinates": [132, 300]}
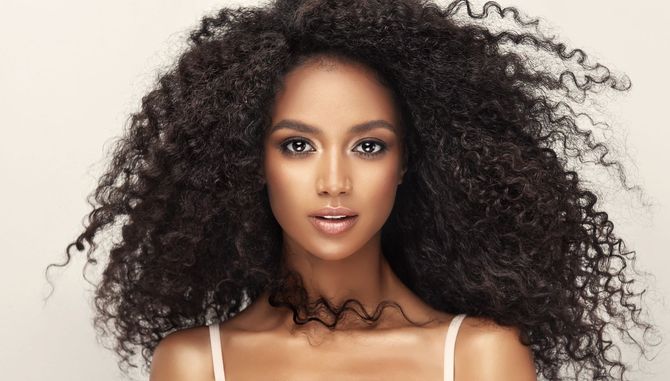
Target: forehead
{"type": "Point", "coordinates": [334, 95]}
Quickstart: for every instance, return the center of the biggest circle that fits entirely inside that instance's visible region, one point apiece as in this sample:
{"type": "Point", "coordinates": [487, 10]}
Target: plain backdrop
{"type": "Point", "coordinates": [72, 70]}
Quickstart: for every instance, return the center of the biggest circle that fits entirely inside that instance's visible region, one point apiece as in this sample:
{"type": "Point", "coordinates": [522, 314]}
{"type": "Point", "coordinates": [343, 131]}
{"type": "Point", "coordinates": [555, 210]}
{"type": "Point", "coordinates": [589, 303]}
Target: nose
{"type": "Point", "coordinates": [333, 177]}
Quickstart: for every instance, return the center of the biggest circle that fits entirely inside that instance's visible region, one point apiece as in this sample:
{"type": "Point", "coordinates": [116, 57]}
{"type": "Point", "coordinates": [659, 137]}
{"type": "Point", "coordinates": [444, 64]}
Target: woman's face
{"type": "Point", "coordinates": [314, 159]}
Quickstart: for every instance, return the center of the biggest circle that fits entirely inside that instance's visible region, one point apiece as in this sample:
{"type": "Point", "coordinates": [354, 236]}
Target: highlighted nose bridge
{"type": "Point", "coordinates": [333, 176]}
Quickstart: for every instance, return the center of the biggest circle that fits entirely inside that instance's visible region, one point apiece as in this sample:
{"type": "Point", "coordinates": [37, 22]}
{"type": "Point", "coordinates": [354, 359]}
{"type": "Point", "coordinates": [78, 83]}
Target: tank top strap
{"type": "Point", "coordinates": [450, 346]}
{"type": "Point", "coordinates": [217, 354]}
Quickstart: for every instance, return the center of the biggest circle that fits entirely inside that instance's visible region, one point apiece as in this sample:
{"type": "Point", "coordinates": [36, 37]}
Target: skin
{"type": "Point", "coordinates": [333, 171]}
{"type": "Point", "coordinates": [334, 166]}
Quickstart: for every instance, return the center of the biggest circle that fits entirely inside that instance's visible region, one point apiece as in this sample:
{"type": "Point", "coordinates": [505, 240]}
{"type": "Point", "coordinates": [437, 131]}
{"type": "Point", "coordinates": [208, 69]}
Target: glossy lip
{"type": "Point", "coordinates": [333, 227]}
{"type": "Point", "coordinates": [331, 211]}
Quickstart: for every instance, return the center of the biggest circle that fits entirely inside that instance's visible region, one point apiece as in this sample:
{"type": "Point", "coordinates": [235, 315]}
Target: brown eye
{"type": "Point", "coordinates": [297, 147]}
{"type": "Point", "coordinates": [294, 147]}
{"type": "Point", "coordinates": [369, 148]}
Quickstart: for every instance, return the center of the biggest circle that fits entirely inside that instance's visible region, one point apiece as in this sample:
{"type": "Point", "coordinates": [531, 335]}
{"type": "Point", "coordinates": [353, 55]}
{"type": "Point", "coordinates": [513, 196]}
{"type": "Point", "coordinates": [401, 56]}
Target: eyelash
{"type": "Point", "coordinates": [284, 148]}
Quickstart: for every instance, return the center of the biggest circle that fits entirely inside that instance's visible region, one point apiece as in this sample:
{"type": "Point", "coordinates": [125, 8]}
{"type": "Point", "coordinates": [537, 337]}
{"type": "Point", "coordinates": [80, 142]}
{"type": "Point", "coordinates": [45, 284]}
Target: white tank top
{"type": "Point", "coordinates": [449, 346]}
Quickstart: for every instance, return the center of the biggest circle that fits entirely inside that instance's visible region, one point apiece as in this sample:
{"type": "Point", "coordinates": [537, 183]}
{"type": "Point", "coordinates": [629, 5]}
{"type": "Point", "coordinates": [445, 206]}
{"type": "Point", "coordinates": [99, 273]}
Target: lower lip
{"type": "Point", "coordinates": [333, 226]}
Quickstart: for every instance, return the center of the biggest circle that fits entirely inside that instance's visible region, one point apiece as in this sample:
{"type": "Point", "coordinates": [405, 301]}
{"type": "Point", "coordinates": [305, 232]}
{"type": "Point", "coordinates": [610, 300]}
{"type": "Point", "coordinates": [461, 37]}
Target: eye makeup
{"type": "Point", "coordinates": [286, 144]}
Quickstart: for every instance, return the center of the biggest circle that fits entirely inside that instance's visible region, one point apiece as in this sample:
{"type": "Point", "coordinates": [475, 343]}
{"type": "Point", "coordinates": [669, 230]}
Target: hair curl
{"type": "Point", "coordinates": [489, 221]}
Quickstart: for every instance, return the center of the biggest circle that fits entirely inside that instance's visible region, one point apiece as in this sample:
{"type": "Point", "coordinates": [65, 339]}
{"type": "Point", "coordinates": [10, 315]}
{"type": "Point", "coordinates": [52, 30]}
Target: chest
{"type": "Point", "coordinates": [388, 358]}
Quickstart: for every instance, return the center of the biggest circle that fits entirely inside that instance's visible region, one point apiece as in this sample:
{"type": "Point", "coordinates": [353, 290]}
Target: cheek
{"type": "Point", "coordinates": [286, 186]}
{"type": "Point", "coordinates": [379, 187]}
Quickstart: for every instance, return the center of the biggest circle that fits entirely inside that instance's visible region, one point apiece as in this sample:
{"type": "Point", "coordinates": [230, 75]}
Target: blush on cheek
{"type": "Point", "coordinates": [287, 190]}
{"type": "Point", "coordinates": [386, 179]}
{"type": "Point", "coordinates": [382, 187]}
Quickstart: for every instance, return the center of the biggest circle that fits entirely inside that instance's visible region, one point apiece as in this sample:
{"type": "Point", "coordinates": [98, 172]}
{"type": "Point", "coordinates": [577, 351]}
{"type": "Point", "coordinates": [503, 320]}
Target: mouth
{"type": "Point", "coordinates": [333, 226]}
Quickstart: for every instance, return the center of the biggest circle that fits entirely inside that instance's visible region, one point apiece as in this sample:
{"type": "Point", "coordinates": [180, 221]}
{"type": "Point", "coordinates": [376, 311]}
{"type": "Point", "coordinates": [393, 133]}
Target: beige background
{"type": "Point", "coordinates": [72, 70]}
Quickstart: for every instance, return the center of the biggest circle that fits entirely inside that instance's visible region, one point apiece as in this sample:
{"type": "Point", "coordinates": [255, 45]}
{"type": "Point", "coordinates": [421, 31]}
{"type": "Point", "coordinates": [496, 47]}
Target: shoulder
{"type": "Point", "coordinates": [183, 355]}
{"type": "Point", "coordinates": [486, 350]}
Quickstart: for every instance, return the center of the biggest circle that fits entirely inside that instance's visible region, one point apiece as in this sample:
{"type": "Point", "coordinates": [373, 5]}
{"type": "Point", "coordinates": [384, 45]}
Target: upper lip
{"type": "Point", "coordinates": [330, 211]}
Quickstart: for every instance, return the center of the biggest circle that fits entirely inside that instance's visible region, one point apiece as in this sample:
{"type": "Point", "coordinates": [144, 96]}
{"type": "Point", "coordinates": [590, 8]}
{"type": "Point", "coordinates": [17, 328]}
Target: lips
{"type": "Point", "coordinates": [333, 211]}
{"type": "Point", "coordinates": [333, 226]}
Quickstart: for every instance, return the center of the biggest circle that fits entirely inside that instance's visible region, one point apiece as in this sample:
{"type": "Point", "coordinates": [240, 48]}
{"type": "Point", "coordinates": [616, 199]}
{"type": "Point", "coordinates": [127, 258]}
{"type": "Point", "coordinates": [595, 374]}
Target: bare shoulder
{"type": "Point", "coordinates": [486, 350]}
{"type": "Point", "coordinates": [183, 355]}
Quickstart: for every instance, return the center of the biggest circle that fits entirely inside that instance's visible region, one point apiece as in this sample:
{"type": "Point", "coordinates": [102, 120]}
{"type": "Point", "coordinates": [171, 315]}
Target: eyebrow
{"type": "Point", "coordinates": [306, 128]}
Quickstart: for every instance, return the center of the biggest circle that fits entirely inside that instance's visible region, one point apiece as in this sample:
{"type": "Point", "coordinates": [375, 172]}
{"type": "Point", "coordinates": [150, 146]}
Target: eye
{"type": "Point", "coordinates": [368, 147]}
{"type": "Point", "coordinates": [298, 144]}
{"type": "Point", "coordinates": [296, 147]}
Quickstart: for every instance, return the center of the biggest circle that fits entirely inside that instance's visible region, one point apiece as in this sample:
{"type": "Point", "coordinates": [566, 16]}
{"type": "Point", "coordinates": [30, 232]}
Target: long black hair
{"type": "Point", "coordinates": [490, 219]}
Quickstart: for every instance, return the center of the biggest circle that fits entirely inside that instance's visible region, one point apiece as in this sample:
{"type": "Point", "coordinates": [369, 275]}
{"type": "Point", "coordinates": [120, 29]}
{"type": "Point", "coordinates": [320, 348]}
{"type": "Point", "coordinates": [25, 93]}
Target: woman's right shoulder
{"type": "Point", "coordinates": [183, 355]}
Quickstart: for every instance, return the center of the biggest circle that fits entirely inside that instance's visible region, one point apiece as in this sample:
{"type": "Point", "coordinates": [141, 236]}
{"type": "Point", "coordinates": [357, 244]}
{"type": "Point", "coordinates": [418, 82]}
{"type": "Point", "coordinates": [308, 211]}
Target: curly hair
{"type": "Point", "coordinates": [490, 220]}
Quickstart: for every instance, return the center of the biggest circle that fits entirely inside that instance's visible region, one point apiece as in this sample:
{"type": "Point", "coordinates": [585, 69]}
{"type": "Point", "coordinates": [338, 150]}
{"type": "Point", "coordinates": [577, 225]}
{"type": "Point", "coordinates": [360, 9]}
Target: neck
{"type": "Point", "coordinates": [364, 275]}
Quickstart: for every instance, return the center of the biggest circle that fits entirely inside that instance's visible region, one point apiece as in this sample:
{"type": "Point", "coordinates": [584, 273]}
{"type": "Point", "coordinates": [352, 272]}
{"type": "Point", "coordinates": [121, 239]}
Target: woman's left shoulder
{"type": "Point", "coordinates": [487, 350]}
{"type": "Point", "coordinates": [483, 329]}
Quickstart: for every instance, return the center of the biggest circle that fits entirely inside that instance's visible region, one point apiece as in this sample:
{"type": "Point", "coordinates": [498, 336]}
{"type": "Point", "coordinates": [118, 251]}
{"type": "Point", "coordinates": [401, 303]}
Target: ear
{"type": "Point", "coordinates": [402, 173]}
{"type": "Point", "coordinates": [404, 166]}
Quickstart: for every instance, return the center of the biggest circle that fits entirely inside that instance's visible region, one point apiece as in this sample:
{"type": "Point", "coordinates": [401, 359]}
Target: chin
{"type": "Point", "coordinates": [333, 252]}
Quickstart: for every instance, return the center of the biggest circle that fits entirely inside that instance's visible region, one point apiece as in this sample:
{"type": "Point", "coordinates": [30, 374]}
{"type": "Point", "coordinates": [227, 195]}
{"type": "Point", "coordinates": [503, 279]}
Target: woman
{"type": "Point", "coordinates": [309, 163]}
